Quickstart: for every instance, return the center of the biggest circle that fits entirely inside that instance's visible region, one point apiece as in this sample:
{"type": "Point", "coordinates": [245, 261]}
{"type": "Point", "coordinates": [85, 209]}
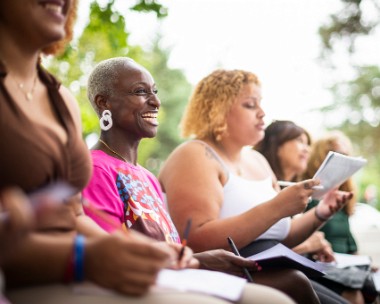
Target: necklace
{"type": "Point", "coordinates": [28, 94]}
{"type": "Point", "coordinates": [113, 151]}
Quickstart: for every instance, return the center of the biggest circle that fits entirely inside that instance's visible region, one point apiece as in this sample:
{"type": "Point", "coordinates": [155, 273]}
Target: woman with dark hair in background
{"type": "Point", "coordinates": [286, 146]}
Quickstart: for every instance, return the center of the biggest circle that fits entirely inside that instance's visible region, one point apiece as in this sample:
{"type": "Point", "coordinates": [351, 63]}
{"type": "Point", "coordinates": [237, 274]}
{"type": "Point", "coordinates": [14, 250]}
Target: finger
{"type": "Point", "coordinates": [310, 183]}
{"type": "Point", "coordinates": [153, 250]}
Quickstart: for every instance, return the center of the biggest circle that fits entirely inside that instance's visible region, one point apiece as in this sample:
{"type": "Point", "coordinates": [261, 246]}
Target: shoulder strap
{"type": "Point", "coordinates": [214, 154]}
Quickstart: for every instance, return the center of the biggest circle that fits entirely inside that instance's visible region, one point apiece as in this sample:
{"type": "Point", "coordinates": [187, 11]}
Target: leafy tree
{"type": "Point", "coordinates": [356, 105]}
{"type": "Point", "coordinates": [355, 19]}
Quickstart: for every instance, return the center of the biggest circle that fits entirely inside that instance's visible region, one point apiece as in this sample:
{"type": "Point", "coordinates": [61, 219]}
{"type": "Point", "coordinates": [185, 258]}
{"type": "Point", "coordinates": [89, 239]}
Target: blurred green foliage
{"type": "Point", "coordinates": [357, 100]}
{"type": "Point", "coordinates": [105, 36]}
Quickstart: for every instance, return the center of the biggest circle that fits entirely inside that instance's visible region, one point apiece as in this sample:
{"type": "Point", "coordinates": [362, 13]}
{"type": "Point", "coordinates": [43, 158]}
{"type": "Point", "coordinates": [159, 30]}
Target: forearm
{"type": "Point", "coordinates": [301, 248]}
{"type": "Point", "coordinates": [39, 258]}
{"type": "Point", "coordinates": [243, 228]}
{"type": "Point", "coordinates": [84, 224]}
{"type": "Point", "coordinates": [87, 226]}
{"type": "Point", "coordinates": [302, 227]}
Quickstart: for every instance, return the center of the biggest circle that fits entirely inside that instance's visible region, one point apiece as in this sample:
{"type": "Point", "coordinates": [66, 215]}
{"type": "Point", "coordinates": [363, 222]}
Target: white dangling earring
{"type": "Point", "coordinates": [106, 118]}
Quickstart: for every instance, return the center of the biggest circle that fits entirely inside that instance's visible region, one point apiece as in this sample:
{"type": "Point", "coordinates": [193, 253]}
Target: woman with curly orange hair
{"type": "Point", "coordinates": [228, 189]}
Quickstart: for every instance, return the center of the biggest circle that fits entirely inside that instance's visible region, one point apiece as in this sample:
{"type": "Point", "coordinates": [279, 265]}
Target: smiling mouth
{"type": "Point", "coordinates": [54, 7]}
{"type": "Point", "coordinates": [150, 117]}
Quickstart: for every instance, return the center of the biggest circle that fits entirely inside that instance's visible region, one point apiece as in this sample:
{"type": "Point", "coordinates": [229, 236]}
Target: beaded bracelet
{"type": "Point", "coordinates": [320, 217]}
{"type": "Point", "coordinates": [79, 258]}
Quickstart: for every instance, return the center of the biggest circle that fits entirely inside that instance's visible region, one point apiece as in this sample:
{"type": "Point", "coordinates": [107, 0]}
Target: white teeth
{"type": "Point", "coordinates": [154, 116]}
{"type": "Point", "coordinates": [54, 8]}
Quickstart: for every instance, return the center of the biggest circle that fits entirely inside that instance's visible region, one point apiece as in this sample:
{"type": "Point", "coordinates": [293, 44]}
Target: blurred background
{"type": "Point", "coordinates": [318, 61]}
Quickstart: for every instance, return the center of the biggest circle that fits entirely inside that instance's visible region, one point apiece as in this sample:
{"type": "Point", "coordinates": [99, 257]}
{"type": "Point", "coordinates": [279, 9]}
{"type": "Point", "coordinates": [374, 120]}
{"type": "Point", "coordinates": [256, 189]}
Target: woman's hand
{"type": "Point", "coordinates": [320, 247]}
{"type": "Point", "coordinates": [16, 217]}
{"type": "Point", "coordinates": [187, 259]}
{"type": "Point", "coordinates": [128, 263]}
{"type": "Point", "coordinates": [225, 261]}
{"type": "Point", "coordinates": [293, 199]}
{"type": "Point", "coordinates": [332, 202]}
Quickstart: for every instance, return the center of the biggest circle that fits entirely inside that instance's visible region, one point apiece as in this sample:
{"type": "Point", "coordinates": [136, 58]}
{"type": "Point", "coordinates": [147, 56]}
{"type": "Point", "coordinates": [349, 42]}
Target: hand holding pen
{"type": "Point", "coordinates": [184, 239]}
{"type": "Point", "coordinates": [236, 252]}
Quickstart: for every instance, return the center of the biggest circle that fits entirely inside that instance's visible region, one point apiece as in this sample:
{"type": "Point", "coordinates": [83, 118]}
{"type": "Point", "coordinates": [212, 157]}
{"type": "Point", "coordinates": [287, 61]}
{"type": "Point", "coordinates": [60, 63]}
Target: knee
{"type": "Point", "coordinates": [299, 287]}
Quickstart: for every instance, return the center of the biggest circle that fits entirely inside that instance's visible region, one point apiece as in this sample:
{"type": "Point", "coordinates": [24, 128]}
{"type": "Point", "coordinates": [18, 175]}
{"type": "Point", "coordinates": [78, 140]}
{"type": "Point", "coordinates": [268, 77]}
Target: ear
{"type": "Point", "coordinates": [101, 103]}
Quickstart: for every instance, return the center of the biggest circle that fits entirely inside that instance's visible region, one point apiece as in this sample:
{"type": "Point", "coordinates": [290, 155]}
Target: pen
{"type": "Point", "coordinates": [236, 251]}
{"type": "Point", "coordinates": [184, 239]}
{"type": "Point", "coordinates": [287, 184]}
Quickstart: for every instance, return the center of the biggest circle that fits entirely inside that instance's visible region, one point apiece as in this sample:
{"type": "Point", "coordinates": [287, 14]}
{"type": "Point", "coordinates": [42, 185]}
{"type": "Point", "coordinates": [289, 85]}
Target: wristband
{"type": "Point", "coordinates": [320, 217]}
{"type": "Point", "coordinates": [79, 258]}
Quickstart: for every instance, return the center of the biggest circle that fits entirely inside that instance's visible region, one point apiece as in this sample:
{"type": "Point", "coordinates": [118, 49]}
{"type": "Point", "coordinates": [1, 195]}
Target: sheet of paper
{"type": "Point", "coordinates": [335, 169]}
{"type": "Point", "coordinates": [203, 281]}
{"type": "Point", "coordinates": [376, 279]}
{"type": "Point", "coordinates": [343, 260]}
{"type": "Point", "coordinates": [346, 260]}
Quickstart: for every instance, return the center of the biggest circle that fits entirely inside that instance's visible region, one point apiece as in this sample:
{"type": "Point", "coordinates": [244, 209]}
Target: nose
{"type": "Point", "coordinates": [260, 112]}
{"type": "Point", "coordinates": [154, 101]}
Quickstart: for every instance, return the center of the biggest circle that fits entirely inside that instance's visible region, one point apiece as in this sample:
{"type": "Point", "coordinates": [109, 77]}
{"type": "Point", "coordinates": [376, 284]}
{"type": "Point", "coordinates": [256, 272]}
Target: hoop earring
{"type": "Point", "coordinates": [106, 118]}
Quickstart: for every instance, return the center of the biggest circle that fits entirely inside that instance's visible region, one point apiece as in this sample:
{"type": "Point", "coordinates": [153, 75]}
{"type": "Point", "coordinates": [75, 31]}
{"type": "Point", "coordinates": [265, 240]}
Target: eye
{"type": "Point", "coordinates": [155, 91]}
{"type": "Point", "coordinates": [250, 105]}
{"type": "Point", "coordinates": [140, 92]}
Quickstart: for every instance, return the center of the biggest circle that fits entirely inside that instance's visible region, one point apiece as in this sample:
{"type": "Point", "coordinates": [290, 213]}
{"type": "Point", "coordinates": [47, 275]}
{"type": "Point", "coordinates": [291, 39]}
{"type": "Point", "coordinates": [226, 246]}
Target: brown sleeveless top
{"type": "Point", "coordinates": [31, 155]}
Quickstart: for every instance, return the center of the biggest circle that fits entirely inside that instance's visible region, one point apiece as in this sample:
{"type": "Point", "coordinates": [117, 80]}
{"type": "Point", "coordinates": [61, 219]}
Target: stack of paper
{"type": "Point", "coordinates": [336, 169]}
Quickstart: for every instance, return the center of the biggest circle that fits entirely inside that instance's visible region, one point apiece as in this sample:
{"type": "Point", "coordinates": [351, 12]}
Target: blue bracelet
{"type": "Point", "coordinates": [79, 258]}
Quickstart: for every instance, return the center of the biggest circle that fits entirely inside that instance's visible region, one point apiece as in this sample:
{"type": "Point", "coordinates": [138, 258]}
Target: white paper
{"type": "Point", "coordinates": [203, 281]}
{"type": "Point", "coordinates": [376, 279]}
{"type": "Point", "coordinates": [212, 283]}
{"type": "Point", "coordinates": [345, 260]}
{"type": "Point", "coordinates": [336, 169]}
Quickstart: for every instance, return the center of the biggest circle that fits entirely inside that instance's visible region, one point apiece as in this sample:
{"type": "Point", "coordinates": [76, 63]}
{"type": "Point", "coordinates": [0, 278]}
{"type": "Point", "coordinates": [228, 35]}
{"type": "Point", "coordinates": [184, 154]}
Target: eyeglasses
{"type": "Point", "coordinates": [143, 93]}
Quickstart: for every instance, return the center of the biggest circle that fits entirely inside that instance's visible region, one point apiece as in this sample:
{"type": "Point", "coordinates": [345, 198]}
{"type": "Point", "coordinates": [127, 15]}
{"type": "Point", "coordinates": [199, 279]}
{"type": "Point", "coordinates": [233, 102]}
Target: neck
{"type": "Point", "coordinates": [18, 59]}
{"type": "Point", "coordinates": [231, 152]}
{"type": "Point", "coordinates": [289, 175]}
{"type": "Point", "coordinates": [113, 148]}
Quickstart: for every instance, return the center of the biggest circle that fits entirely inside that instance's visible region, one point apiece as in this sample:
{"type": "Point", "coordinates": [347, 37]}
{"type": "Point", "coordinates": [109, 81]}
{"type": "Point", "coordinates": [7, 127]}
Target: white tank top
{"type": "Point", "coordinates": [241, 194]}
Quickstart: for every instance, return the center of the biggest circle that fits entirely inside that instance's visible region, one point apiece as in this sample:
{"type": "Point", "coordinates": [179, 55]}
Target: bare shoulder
{"type": "Point", "coordinates": [194, 150]}
{"type": "Point", "coordinates": [191, 157]}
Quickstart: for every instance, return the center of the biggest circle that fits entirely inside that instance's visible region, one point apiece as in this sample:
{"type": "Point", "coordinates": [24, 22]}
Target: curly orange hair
{"type": "Point", "coordinates": [212, 99]}
{"type": "Point", "coordinates": [59, 46]}
{"type": "Point", "coordinates": [331, 142]}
